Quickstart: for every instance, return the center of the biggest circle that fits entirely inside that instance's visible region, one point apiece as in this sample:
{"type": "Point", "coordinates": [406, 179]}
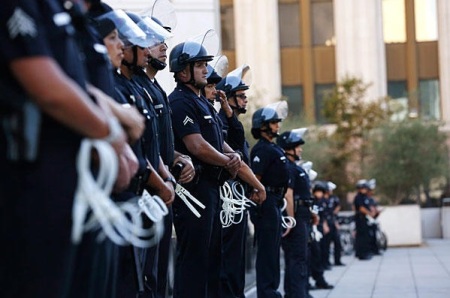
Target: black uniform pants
{"type": "Point", "coordinates": [164, 251]}
{"type": "Point", "coordinates": [316, 264]}
{"type": "Point", "coordinates": [35, 224]}
{"type": "Point", "coordinates": [267, 221]}
{"type": "Point", "coordinates": [362, 239]}
{"type": "Point", "coordinates": [198, 250]}
{"type": "Point", "coordinates": [232, 273]}
{"type": "Point", "coordinates": [295, 246]}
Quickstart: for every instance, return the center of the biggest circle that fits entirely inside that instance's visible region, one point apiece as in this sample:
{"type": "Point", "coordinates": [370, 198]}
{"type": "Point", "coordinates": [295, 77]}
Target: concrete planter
{"type": "Point", "coordinates": [402, 225]}
{"type": "Point", "coordinates": [445, 220]}
{"type": "Point", "coordinates": [431, 222]}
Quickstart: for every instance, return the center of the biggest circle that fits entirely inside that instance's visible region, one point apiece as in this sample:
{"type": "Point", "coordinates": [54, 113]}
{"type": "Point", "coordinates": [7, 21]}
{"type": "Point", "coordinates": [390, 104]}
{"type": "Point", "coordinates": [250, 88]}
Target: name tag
{"type": "Point", "coordinates": [99, 48]}
{"type": "Point", "coordinates": [159, 106]}
{"type": "Point", "coordinates": [207, 117]}
{"type": "Point", "coordinates": [61, 19]}
{"type": "Point", "coordinates": [283, 158]}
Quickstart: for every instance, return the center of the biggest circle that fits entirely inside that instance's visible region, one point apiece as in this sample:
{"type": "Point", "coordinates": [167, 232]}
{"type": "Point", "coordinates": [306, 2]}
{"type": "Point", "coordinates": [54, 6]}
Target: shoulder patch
{"type": "Point", "coordinates": [187, 120]}
{"type": "Point", "coordinates": [21, 23]}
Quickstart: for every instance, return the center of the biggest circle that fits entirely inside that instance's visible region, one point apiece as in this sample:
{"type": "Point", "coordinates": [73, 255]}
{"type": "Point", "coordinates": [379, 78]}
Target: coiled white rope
{"type": "Point", "coordinates": [122, 223]}
{"type": "Point", "coordinates": [184, 195]}
{"type": "Point", "coordinates": [288, 222]}
{"type": "Point", "coordinates": [234, 203]}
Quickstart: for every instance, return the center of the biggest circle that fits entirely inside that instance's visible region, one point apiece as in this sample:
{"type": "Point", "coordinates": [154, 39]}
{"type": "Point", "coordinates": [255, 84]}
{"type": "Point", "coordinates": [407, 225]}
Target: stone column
{"type": "Point", "coordinates": [444, 58]}
{"type": "Point", "coordinates": [258, 45]}
{"type": "Point", "coordinates": [360, 48]}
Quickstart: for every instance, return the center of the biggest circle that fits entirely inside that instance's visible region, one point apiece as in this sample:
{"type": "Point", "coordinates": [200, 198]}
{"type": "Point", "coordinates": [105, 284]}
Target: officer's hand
{"type": "Point", "coordinates": [258, 195]}
{"type": "Point", "coordinates": [188, 171]}
{"type": "Point", "coordinates": [286, 232]}
{"type": "Point", "coordinates": [224, 103]}
{"type": "Point", "coordinates": [166, 192]}
{"type": "Point", "coordinates": [234, 164]}
{"type": "Point", "coordinates": [132, 121]}
{"type": "Point", "coordinates": [118, 142]}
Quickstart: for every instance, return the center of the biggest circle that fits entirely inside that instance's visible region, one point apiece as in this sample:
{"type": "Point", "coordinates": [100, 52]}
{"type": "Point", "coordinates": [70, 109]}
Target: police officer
{"type": "Point", "coordinates": [298, 197]}
{"type": "Point", "coordinates": [198, 133]}
{"type": "Point", "coordinates": [325, 216]}
{"type": "Point", "coordinates": [317, 231]}
{"type": "Point", "coordinates": [269, 164]}
{"type": "Point", "coordinates": [361, 204]}
{"type": "Point", "coordinates": [40, 173]}
{"type": "Point", "coordinates": [94, 262]}
{"type": "Point", "coordinates": [335, 207]}
{"type": "Point", "coordinates": [374, 213]}
{"type": "Point", "coordinates": [158, 261]}
{"type": "Point", "coordinates": [234, 237]}
{"type": "Point", "coordinates": [153, 176]}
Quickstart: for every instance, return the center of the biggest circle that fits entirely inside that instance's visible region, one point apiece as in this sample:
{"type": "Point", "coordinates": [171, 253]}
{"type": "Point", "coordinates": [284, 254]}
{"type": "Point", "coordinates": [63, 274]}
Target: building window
{"type": "Point", "coordinates": [394, 21]}
{"type": "Point", "coordinates": [397, 89]}
{"type": "Point", "coordinates": [323, 23]}
{"type": "Point", "coordinates": [294, 97]}
{"type": "Point", "coordinates": [320, 93]}
{"type": "Point", "coordinates": [426, 20]}
{"type": "Point", "coordinates": [227, 28]}
{"type": "Point", "coordinates": [398, 105]}
{"type": "Point", "coordinates": [289, 24]}
{"type": "Point", "coordinates": [429, 99]}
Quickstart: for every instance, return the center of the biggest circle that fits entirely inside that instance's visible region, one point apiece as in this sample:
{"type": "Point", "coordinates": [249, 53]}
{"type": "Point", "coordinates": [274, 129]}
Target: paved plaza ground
{"type": "Point", "coordinates": [405, 272]}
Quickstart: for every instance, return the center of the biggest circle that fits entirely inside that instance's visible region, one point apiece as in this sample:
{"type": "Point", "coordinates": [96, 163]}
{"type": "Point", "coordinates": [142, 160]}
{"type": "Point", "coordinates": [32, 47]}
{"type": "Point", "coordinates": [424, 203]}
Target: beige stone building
{"type": "Point", "coordinates": [300, 48]}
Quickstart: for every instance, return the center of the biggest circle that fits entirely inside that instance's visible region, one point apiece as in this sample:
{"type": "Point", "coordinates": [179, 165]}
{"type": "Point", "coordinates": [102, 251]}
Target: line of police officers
{"type": "Point", "coordinates": [76, 69]}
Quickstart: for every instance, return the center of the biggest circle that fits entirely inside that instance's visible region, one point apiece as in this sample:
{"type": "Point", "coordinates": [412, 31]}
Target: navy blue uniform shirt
{"type": "Point", "coordinates": [269, 162]}
{"type": "Point", "coordinates": [135, 95]}
{"type": "Point", "coordinates": [163, 112]}
{"type": "Point", "coordinates": [38, 29]}
{"type": "Point", "coordinates": [299, 182]}
{"type": "Point", "coordinates": [361, 200]}
{"type": "Point", "coordinates": [235, 135]}
{"type": "Point", "coordinates": [192, 114]}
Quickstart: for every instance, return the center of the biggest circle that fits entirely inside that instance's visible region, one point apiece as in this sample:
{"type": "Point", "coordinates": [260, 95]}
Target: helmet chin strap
{"type": "Point", "coordinates": [294, 156]}
{"type": "Point", "coordinates": [240, 110]}
{"type": "Point", "coordinates": [156, 64]}
{"type": "Point", "coordinates": [270, 132]}
{"type": "Point", "coordinates": [237, 107]}
{"type": "Point", "coordinates": [192, 79]}
{"type": "Point", "coordinates": [133, 65]}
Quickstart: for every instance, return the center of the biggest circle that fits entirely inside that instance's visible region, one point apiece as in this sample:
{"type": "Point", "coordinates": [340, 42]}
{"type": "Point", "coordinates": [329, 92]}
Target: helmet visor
{"type": "Point", "coordinates": [129, 31]}
{"type": "Point", "coordinates": [162, 10]}
{"type": "Point", "coordinates": [277, 110]}
{"type": "Point", "coordinates": [239, 76]}
{"type": "Point", "coordinates": [155, 34]}
{"type": "Point", "coordinates": [202, 47]}
{"type": "Point", "coordinates": [220, 65]}
{"type": "Point", "coordinates": [296, 135]}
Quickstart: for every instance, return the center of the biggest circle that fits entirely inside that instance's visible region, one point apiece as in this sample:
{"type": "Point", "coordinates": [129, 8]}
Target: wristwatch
{"type": "Point", "coordinates": [171, 179]}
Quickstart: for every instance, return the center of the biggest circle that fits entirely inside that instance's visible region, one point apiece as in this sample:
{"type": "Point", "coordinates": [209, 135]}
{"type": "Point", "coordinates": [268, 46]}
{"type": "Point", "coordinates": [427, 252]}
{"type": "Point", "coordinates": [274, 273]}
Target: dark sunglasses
{"type": "Point", "coordinates": [241, 96]}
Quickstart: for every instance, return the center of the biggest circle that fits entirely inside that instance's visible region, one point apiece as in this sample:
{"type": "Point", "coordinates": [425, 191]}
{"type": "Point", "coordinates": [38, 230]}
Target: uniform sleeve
{"type": "Point", "coordinates": [22, 31]}
{"type": "Point", "coordinates": [261, 160]}
{"type": "Point", "coordinates": [292, 177]}
{"type": "Point", "coordinates": [184, 118]}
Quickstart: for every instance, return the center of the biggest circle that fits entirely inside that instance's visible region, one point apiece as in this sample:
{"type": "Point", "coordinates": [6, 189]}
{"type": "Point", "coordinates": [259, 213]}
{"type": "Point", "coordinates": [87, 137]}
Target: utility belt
{"type": "Point", "coordinates": [138, 182]}
{"type": "Point", "coordinates": [213, 173]}
{"type": "Point", "coordinates": [276, 190]}
{"type": "Point", "coordinates": [302, 204]}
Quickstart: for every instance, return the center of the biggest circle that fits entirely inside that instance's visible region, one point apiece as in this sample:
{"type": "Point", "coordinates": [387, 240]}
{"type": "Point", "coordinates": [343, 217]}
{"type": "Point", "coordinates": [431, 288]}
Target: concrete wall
{"type": "Point", "coordinates": [445, 220]}
{"type": "Point", "coordinates": [431, 222]}
{"type": "Point", "coordinates": [402, 225]}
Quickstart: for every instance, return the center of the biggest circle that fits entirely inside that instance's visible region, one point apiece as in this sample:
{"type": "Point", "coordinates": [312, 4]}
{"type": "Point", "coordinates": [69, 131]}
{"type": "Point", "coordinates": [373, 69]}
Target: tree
{"type": "Point", "coordinates": [407, 157]}
{"type": "Point", "coordinates": [354, 117]}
